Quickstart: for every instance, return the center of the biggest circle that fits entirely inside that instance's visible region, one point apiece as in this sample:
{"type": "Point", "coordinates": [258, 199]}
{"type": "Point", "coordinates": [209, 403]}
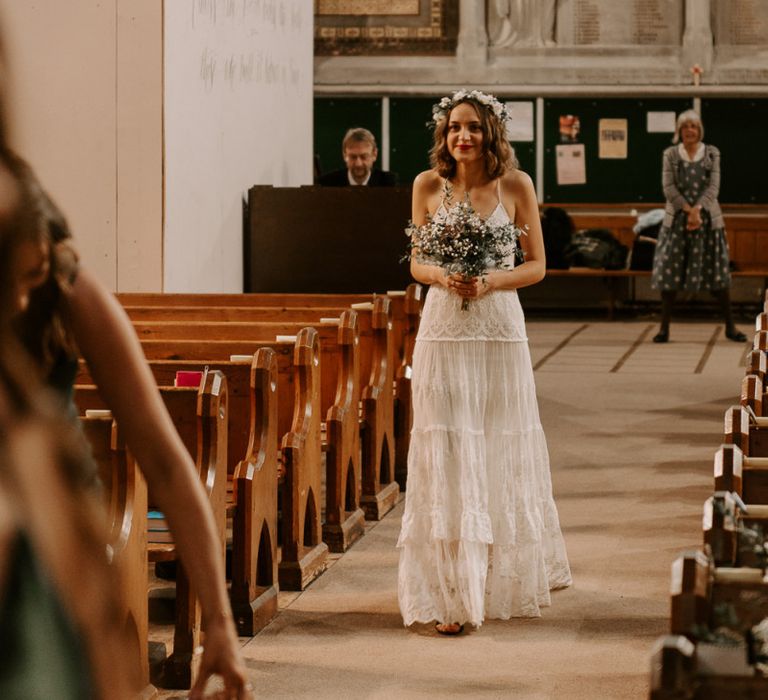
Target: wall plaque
{"type": "Point", "coordinates": [386, 27]}
{"type": "Point", "coordinates": [608, 23]}
{"type": "Point", "coordinates": [741, 22]}
{"type": "Point", "coordinates": [367, 7]}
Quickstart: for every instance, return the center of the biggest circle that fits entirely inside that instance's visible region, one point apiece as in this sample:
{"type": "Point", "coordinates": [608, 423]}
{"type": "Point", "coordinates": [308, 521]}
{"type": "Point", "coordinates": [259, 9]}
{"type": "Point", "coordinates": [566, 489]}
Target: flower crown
{"type": "Point", "coordinates": [443, 108]}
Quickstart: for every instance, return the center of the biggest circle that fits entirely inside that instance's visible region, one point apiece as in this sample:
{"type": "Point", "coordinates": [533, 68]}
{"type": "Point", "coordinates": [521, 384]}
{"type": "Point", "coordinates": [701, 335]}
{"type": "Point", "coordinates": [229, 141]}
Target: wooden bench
{"type": "Point", "coordinates": [748, 433]}
{"type": "Point", "coordinates": [252, 479]}
{"type": "Point", "coordinates": [200, 416]}
{"type": "Point", "coordinates": [724, 586]}
{"type": "Point", "coordinates": [681, 670]}
{"type": "Point", "coordinates": [240, 308]}
{"type": "Point", "coordinates": [379, 488]}
{"type": "Point", "coordinates": [700, 591]}
{"type": "Point", "coordinates": [746, 230]}
{"type": "Point", "coordinates": [126, 494]}
{"type": "Point", "coordinates": [303, 555]}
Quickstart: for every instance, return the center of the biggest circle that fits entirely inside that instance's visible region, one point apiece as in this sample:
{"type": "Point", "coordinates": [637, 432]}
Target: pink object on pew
{"type": "Point", "coordinates": [188, 378]}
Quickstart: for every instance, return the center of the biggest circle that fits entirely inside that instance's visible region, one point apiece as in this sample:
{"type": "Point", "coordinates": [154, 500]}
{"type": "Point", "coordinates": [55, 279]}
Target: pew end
{"type": "Point", "coordinates": [304, 554]}
{"type": "Point", "coordinates": [253, 593]}
{"type": "Point", "coordinates": [673, 668]}
{"type": "Point", "coordinates": [380, 490]}
{"type": "Point", "coordinates": [689, 593]}
{"type": "Point", "coordinates": [126, 495]}
{"type": "Point", "coordinates": [757, 362]}
{"type": "Point", "coordinates": [344, 518]}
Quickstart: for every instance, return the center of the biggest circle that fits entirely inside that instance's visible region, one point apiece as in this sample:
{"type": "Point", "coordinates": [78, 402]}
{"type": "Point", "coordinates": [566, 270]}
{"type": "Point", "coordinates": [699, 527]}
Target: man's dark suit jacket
{"type": "Point", "coordinates": [339, 178]}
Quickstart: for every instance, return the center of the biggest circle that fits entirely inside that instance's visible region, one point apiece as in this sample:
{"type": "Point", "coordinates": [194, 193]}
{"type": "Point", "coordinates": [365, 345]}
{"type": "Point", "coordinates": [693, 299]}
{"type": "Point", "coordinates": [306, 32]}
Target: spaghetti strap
{"type": "Point", "coordinates": [498, 189]}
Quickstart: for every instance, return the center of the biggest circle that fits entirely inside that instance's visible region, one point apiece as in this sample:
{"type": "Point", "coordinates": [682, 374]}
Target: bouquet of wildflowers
{"type": "Point", "coordinates": [463, 243]}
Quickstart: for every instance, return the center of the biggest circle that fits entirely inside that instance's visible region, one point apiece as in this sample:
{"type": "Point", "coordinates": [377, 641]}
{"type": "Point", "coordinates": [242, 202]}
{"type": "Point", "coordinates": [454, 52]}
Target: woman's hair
{"type": "Point", "coordinates": [690, 115]}
{"type": "Point", "coordinates": [41, 327]}
{"type": "Point", "coordinates": [498, 154]}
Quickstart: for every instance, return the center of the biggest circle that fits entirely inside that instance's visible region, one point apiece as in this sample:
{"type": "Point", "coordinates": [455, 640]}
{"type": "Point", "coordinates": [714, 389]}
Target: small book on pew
{"type": "Point", "coordinates": [188, 378]}
{"type": "Point", "coordinates": [157, 528]}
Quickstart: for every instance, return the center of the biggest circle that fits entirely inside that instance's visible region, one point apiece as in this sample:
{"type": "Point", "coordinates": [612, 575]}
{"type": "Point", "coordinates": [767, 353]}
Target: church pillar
{"type": "Point", "coordinates": [698, 46]}
{"type": "Point", "coordinates": [472, 48]}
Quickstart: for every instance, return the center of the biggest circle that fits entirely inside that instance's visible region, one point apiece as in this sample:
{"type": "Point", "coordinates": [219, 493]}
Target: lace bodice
{"type": "Point", "coordinates": [495, 316]}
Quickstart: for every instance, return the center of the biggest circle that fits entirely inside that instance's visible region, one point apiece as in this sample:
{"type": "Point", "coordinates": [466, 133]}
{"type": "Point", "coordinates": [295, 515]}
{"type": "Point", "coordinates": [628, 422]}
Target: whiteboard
{"type": "Point", "coordinates": [237, 113]}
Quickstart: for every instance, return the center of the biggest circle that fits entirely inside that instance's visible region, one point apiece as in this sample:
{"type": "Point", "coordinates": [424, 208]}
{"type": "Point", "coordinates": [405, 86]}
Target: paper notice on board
{"type": "Point", "coordinates": [612, 136]}
{"type": "Point", "coordinates": [571, 164]}
{"type": "Point", "coordinates": [520, 122]}
{"type": "Point", "coordinates": [660, 122]}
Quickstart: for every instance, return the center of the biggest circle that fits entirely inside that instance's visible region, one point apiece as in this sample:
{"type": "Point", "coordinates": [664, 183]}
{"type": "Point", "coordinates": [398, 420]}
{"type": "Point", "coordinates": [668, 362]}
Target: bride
{"type": "Point", "coordinates": [480, 535]}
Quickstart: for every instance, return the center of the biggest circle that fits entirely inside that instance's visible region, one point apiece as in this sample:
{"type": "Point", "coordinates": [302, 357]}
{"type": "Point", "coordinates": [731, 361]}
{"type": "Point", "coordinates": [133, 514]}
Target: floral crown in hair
{"type": "Point", "coordinates": [443, 108]}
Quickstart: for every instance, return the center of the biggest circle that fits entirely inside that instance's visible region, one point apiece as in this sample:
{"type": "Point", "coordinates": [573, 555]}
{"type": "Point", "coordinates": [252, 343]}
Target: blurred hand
{"type": "Point", "coordinates": [694, 220]}
{"type": "Point", "coordinates": [222, 656]}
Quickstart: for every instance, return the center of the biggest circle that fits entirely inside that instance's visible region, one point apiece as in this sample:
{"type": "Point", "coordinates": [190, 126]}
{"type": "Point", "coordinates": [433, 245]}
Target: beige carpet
{"type": "Point", "coordinates": [632, 428]}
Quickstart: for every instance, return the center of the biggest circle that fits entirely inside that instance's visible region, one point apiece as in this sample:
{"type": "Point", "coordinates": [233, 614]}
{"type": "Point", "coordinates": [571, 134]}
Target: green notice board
{"type": "Point", "coordinates": [410, 136]}
{"type": "Point", "coordinates": [737, 127]}
{"type": "Point", "coordinates": [636, 178]}
{"type": "Point", "coordinates": [333, 116]}
{"type": "Point", "coordinates": [410, 133]}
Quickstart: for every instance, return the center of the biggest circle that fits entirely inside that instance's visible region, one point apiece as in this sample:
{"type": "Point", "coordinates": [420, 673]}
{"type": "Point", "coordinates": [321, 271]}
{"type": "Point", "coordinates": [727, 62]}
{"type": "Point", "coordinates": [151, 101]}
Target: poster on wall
{"type": "Point", "coordinates": [612, 138]}
{"type": "Point", "coordinates": [569, 127]}
{"type": "Point", "coordinates": [660, 122]}
{"type": "Point", "coordinates": [571, 164]}
{"type": "Point", "coordinates": [520, 122]}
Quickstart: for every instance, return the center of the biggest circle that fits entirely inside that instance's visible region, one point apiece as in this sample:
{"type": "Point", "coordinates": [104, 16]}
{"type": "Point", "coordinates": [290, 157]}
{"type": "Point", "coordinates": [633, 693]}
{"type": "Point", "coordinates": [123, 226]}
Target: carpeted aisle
{"type": "Point", "coordinates": [632, 428]}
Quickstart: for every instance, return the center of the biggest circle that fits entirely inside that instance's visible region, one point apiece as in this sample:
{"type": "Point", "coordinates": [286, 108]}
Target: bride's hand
{"type": "Point", "coordinates": [468, 287]}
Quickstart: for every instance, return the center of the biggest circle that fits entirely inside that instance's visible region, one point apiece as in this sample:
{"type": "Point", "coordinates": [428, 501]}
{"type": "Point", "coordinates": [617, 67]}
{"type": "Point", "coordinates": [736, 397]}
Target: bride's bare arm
{"type": "Point", "coordinates": [517, 187]}
{"type": "Point", "coordinates": [424, 186]}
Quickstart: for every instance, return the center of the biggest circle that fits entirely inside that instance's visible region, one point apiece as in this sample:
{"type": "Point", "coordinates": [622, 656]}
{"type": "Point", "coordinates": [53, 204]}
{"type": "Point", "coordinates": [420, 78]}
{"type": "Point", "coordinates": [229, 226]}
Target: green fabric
{"type": "Point", "coordinates": [61, 379]}
{"type": "Point", "coordinates": [41, 655]}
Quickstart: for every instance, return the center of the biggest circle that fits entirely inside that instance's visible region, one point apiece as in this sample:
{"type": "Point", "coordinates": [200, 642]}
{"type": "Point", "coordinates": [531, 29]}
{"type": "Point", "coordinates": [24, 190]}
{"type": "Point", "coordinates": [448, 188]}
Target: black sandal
{"type": "Point", "coordinates": [449, 633]}
{"type": "Point", "coordinates": [661, 337]}
{"type": "Point", "coordinates": [735, 335]}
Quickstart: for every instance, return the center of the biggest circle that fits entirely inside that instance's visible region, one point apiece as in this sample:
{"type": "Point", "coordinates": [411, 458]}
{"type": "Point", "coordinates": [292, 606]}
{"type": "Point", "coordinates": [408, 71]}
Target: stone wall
{"type": "Point", "coordinates": [561, 46]}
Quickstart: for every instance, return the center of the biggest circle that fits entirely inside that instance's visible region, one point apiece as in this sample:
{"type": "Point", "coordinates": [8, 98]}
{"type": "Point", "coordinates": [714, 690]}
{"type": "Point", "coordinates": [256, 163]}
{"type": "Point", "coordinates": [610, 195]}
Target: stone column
{"type": "Point", "coordinates": [472, 47]}
{"type": "Point", "coordinates": [697, 39]}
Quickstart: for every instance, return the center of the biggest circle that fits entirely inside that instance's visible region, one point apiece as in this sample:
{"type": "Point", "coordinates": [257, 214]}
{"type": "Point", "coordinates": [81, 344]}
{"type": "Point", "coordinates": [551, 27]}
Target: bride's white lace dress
{"type": "Point", "coordinates": [480, 535]}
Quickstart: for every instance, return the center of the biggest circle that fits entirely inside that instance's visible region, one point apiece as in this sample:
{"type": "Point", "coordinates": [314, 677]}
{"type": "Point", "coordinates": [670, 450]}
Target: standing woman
{"type": "Point", "coordinates": [692, 252]}
{"type": "Point", "coordinates": [480, 534]}
{"type": "Point", "coordinates": [61, 311]}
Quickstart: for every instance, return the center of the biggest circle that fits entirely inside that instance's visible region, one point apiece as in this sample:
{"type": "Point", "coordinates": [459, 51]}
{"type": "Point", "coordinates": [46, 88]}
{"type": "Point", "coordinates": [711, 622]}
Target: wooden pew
{"type": "Point", "coordinates": [252, 469]}
{"type": "Point", "coordinates": [406, 312]}
{"type": "Point", "coordinates": [757, 363]}
{"type": "Point", "coordinates": [126, 494]}
{"type": "Point", "coordinates": [682, 670]}
{"type": "Point", "coordinates": [749, 433]}
{"type": "Point", "coordinates": [379, 489]}
{"type": "Point", "coordinates": [200, 416]}
{"type": "Point", "coordinates": [304, 555]}
{"type": "Point", "coordinates": [747, 478]}
{"type": "Point", "coordinates": [344, 522]}
{"type": "Point", "coordinates": [266, 299]}
{"type": "Point", "coordinates": [708, 597]}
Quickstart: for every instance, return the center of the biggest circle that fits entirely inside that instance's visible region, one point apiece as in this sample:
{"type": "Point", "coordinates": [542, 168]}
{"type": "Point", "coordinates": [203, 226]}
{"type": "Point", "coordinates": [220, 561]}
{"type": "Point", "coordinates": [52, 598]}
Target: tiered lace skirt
{"type": "Point", "coordinates": [480, 536]}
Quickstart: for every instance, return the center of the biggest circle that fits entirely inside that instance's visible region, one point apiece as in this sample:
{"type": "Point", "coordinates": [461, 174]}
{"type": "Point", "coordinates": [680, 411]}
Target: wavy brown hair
{"type": "Point", "coordinates": [41, 328]}
{"type": "Point", "coordinates": [498, 153]}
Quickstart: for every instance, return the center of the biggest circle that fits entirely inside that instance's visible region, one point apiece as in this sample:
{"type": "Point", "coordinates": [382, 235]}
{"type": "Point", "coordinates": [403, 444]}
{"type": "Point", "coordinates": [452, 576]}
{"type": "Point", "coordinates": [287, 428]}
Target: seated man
{"type": "Point", "coordinates": [359, 151]}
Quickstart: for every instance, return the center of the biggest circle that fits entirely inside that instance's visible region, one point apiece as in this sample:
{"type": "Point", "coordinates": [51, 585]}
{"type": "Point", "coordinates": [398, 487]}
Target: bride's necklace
{"type": "Point", "coordinates": [448, 192]}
